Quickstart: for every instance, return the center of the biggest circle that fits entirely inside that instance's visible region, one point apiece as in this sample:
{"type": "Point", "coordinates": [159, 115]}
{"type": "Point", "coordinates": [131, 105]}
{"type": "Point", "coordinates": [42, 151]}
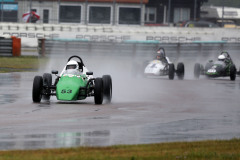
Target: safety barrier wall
{"type": "Point", "coordinates": [109, 33]}
{"type": "Point", "coordinates": [10, 46]}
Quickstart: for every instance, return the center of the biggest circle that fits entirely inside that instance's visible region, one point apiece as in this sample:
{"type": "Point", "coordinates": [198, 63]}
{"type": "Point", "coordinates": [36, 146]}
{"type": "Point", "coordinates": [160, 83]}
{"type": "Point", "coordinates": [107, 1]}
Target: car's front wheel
{"type": "Point", "coordinates": [37, 89]}
{"type": "Point", "coordinates": [107, 88]}
{"type": "Point", "coordinates": [180, 70]}
{"type": "Point", "coordinates": [171, 71]}
{"type": "Point", "coordinates": [47, 82]}
{"type": "Point", "coordinates": [98, 91]}
{"type": "Point", "coordinates": [233, 73]}
{"type": "Point", "coordinates": [197, 70]}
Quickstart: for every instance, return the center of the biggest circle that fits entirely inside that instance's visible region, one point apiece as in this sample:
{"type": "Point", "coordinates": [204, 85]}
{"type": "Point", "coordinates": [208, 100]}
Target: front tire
{"type": "Point", "coordinates": [98, 91]}
{"type": "Point", "coordinates": [197, 70]}
{"type": "Point", "coordinates": [180, 70]}
{"type": "Point", "coordinates": [37, 89]}
{"type": "Point", "coordinates": [107, 88]}
{"type": "Point", "coordinates": [47, 82]}
{"type": "Point", "coordinates": [233, 73]}
{"type": "Point", "coordinates": [171, 71]}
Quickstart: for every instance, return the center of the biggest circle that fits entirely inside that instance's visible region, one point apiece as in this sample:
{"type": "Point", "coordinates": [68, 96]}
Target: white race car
{"type": "Point", "coordinates": [159, 68]}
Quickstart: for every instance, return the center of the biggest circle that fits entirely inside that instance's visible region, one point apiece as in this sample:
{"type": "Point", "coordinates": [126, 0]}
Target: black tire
{"type": "Point", "coordinates": [107, 88]}
{"type": "Point", "coordinates": [197, 70]}
{"type": "Point", "coordinates": [180, 70]}
{"type": "Point", "coordinates": [47, 82]}
{"type": "Point", "coordinates": [98, 91]}
{"type": "Point", "coordinates": [37, 89]}
{"type": "Point", "coordinates": [171, 71]}
{"type": "Point", "coordinates": [233, 72]}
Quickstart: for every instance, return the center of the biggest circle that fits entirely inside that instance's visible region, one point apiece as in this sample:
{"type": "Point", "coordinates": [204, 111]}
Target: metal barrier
{"type": "Point", "coordinates": [140, 48]}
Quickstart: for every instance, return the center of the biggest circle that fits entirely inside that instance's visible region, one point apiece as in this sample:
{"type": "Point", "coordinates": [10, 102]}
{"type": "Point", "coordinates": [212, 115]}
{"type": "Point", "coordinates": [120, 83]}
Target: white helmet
{"type": "Point", "coordinates": [221, 57]}
{"type": "Point", "coordinates": [72, 65]}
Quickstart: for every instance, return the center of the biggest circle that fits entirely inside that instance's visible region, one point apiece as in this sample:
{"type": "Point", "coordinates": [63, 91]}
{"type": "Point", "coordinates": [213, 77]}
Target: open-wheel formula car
{"type": "Point", "coordinates": [74, 83]}
{"type": "Point", "coordinates": [223, 67]}
{"type": "Point", "coordinates": [162, 66]}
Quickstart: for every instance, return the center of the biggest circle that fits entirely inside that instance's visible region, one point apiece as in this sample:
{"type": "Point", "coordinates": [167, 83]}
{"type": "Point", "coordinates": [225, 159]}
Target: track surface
{"type": "Point", "coordinates": [142, 110]}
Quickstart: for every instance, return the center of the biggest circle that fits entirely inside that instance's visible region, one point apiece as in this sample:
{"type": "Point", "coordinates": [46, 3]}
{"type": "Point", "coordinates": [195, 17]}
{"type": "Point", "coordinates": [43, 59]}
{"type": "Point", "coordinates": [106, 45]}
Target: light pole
{"type": "Point", "coordinates": [222, 11]}
{"type": "Point", "coordinates": [195, 10]}
{"type": "Point", "coordinates": [169, 11]}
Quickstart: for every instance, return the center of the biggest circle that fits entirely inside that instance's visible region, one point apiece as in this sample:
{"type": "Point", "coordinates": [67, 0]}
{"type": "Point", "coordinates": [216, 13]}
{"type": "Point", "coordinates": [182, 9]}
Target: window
{"type": "Point", "coordinates": [129, 15]}
{"type": "Point", "coordinates": [70, 14]}
{"type": "Point", "coordinates": [181, 14]}
{"type": "Point", "coordinates": [45, 16]}
{"type": "Point", "coordinates": [99, 14]}
{"type": "Point", "coordinates": [150, 15]}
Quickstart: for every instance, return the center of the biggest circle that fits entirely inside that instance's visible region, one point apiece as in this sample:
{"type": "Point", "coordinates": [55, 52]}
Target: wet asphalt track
{"type": "Point", "coordinates": [142, 111]}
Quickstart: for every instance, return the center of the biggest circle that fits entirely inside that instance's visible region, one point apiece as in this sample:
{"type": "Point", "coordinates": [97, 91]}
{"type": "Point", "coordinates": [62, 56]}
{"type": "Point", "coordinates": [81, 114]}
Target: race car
{"type": "Point", "coordinates": [74, 83]}
{"type": "Point", "coordinates": [223, 67]}
{"type": "Point", "coordinates": [162, 66]}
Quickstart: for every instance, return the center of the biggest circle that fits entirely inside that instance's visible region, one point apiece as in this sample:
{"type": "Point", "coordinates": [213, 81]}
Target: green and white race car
{"type": "Point", "coordinates": [74, 83]}
{"type": "Point", "coordinates": [223, 67]}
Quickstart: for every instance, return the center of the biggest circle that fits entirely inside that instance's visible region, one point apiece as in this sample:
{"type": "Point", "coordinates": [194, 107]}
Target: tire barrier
{"type": "Point", "coordinates": [10, 46]}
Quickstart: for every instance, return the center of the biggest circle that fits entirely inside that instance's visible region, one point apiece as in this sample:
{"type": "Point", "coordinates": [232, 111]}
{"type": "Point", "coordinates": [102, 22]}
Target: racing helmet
{"type": "Point", "coordinates": [160, 53]}
{"type": "Point", "coordinates": [221, 57]}
{"type": "Point", "coordinates": [72, 65]}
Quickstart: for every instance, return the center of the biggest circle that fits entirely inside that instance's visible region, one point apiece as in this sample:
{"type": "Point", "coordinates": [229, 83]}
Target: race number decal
{"type": "Point", "coordinates": [66, 91]}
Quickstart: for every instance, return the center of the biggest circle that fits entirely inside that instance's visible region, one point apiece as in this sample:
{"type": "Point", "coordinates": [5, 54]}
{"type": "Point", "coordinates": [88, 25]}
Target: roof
{"type": "Point", "coordinates": [103, 1]}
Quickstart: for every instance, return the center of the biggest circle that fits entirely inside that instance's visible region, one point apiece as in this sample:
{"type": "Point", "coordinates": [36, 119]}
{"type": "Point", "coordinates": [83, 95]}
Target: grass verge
{"type": "Point", "coordinates": [21, 64]}
{"type": "Point", "coordinates": [214, 150]}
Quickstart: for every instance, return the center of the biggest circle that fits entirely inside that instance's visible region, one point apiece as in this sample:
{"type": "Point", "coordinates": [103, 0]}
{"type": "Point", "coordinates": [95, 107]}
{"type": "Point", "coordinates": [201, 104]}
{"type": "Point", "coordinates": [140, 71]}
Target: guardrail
{"type": "Point", "coordinates": [142, 48]}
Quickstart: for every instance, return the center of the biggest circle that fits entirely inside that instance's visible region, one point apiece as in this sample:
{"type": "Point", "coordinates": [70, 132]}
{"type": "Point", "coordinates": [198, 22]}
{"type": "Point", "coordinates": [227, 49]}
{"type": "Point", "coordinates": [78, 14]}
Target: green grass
{"type": "Point", "coordinates": [200, 150]}
{"type": "Point", "coordinates": [22, 63]}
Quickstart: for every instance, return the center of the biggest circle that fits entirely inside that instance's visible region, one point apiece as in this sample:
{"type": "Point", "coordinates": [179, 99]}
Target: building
{"type": "Point", "coordinates": [172, 11]}
{"type": "Point", "coordinates": [104, 12]}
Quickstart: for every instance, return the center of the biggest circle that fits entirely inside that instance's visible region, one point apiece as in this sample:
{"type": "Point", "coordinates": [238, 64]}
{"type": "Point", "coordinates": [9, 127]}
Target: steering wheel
{"type": "Point", "coordinates": [79, 58]}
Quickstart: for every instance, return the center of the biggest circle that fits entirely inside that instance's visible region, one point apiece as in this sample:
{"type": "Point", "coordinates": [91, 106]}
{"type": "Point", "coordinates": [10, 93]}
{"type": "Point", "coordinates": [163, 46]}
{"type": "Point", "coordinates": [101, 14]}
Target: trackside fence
{"type": "Point", "coordinates": [141, 48]}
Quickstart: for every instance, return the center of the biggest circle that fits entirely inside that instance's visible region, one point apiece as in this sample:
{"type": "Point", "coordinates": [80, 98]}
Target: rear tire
{"type": "Point", "coordinates": [197, 70]}
{"type": "Point", "coordinates": [107, 88]}
{"type": "Point", "coordinates": [47, 81]}
{"type": "Point", "coordinates": [233, 73]}
{"type": "Point", "coordinates": [98, 91]}
{"type": "Point", "coordinates": [37, 89]}
{"type": "Point", "coordinates": [180, 70]}
{"type": "Point", "coordinates": [171, 71]}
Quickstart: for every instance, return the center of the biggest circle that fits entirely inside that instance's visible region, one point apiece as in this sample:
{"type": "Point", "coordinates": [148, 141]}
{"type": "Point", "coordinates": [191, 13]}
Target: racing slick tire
{"type": "Point", "coordinates": [47, 82]}
{"type": "Point", "coordinates": [107, 88]}
{"type": "Point", "coordinates": [180, 70]}
{"type": "Point", "coordinates": [197, 70]}
{"type": "Point", "coordinates": [98, 91]}
{"type": "Point", "coordinates": [171, 71]}
{"type": "Point", "coordinates": [233, 73]}
{"type": "Point", "coordinates": [37, 89]}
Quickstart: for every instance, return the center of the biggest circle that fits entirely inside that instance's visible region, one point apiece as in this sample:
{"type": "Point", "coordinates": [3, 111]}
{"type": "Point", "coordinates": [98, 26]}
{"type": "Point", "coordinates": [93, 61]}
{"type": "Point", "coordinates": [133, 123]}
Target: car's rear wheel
{"type": "Point", "coordinates": [37, 89]}
{"type": "Point", "coordinates": [98, 91]}
{"type": "Point", "coordinates": [107, 88]}
{"type": "Point", "coordinates": [47, 82]}
{"type": "Point", "coordinates": [233, 73]}
{"type": "Point", "coordinates": [197, 70]}
{"type": "Point", "coordinates": [180, 70]}
{"type": "Point", "coordinates": [171, 71]}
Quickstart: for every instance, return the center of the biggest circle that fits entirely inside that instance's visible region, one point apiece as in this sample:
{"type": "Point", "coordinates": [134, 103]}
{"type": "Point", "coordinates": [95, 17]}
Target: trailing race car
{"type": "Point", "coordinates": [223, 67]}
{"type": "Point", "coordinates": [162, 66]}
{"type": "Point", "coordinates": [74, 83]}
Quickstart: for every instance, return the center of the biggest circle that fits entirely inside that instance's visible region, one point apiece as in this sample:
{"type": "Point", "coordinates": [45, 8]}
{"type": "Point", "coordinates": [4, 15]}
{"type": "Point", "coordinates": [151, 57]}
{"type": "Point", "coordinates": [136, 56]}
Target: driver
{"type": "Point", "coordinates": [223, 58]}
{"type": "Point", "coordinates": [161, 56]}
{"type": "Point", "coordinates": [72, 65]}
